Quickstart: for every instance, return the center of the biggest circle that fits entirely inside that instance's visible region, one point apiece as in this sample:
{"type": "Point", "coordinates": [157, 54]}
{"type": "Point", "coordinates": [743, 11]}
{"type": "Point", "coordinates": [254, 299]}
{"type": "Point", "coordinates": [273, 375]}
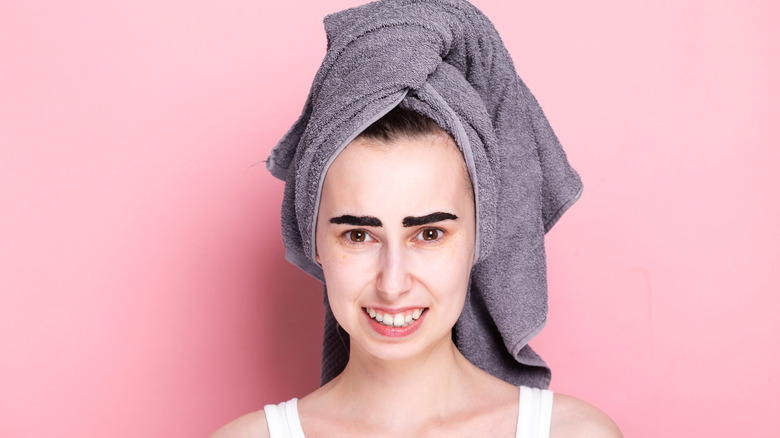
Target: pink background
{"type": "Point", "coordinates": [143, 290]}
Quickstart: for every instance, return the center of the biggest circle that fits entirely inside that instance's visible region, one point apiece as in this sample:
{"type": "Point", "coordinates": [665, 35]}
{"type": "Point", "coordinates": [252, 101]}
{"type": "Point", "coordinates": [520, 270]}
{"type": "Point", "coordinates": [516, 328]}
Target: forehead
{"type": "Point", "coordinates": [397, 177]}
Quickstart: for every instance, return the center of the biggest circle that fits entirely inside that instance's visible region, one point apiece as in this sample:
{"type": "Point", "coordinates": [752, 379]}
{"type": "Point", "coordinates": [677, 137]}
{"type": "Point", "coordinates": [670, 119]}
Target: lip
{"type": "Point", "coordinates": [394, 311]}
{"type": "Point", "coordinates": [396, 332]}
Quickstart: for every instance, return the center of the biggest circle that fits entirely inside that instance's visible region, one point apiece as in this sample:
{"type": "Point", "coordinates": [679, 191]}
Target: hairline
{"type": "Point", "coordinates": [440, 137]}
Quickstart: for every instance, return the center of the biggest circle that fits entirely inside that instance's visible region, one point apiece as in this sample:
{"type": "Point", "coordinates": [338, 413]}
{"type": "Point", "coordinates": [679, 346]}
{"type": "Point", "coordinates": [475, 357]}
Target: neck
{"type": "Point", "coordinates": [386, 391]}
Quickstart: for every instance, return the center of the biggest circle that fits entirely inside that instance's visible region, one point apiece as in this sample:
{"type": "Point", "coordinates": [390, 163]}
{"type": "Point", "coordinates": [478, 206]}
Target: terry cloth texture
{"type": "Point", "coordinates": [445, 60]}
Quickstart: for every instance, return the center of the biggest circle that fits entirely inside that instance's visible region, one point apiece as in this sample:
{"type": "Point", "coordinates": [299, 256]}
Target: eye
{"type": "Point", "coordinates": [358, 236]}
{"type": "Point", "coordinates": [430, 234]}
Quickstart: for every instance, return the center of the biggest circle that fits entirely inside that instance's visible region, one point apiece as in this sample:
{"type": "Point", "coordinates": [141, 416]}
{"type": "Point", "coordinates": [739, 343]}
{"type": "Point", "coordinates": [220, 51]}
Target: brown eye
{"type": "Point", "coordinates": [430, 234]}
{"type": "Point", "coordinates": [357, 236]}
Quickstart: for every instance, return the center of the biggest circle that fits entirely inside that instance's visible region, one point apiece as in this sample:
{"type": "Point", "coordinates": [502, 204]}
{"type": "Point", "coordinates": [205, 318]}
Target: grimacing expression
{"type": "Point", "coordinates": [395, 239]}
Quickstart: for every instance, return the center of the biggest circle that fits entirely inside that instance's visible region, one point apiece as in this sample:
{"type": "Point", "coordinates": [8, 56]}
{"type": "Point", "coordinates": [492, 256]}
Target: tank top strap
{"type": "Point", "coordinates": [534, 413]}
{"type": "Point", "coordinates": [283, 420]}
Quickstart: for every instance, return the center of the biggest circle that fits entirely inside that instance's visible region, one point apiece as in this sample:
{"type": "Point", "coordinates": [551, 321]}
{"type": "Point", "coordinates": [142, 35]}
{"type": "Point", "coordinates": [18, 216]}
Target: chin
{"type": "Point", "coordinates": [399, 349]}
{"type": "Point", "coordinates": [389, 352]}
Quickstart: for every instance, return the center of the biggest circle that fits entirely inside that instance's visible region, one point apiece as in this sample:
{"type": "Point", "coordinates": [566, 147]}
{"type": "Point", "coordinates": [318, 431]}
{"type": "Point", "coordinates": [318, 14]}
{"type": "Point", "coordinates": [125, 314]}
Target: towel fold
{"type": "Point", "coordinates": [445, 60]}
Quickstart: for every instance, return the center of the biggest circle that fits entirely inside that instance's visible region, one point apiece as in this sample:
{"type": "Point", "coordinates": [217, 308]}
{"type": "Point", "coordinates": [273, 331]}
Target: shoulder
{"type": "Point", "coordinates": [572, 417]}
{"type": "Point", "coordinates": [251, 425]}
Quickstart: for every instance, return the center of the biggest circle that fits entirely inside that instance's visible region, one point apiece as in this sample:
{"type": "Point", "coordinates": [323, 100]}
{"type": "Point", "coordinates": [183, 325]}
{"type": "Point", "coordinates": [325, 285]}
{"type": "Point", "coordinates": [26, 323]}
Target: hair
{"type": "Point", "coordinates": [401, 123]}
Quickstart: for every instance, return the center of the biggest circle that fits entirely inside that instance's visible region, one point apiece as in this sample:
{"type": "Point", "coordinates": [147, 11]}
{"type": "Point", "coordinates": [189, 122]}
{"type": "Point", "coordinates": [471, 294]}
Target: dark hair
{"type": "Point", "coordinates": [400, 123]}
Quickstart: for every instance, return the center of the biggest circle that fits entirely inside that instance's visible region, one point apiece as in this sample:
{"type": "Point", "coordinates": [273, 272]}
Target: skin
{"type": "Point", "coordinates": [418, 384]}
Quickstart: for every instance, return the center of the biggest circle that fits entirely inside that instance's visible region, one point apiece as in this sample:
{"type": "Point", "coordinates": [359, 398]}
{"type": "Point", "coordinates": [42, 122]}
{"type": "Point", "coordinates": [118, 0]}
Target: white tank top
{"type": "Point", "coordinates": [533, 418]}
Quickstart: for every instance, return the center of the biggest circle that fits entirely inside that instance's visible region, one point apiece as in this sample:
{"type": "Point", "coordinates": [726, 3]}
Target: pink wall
{"type": "Point", "coordinates": [143, 290]}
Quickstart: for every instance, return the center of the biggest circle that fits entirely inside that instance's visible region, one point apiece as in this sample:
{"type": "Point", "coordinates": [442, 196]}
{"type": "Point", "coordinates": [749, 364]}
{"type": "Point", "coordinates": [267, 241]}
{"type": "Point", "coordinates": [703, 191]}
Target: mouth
{"type": "Point", "coordinates": [401, 319]}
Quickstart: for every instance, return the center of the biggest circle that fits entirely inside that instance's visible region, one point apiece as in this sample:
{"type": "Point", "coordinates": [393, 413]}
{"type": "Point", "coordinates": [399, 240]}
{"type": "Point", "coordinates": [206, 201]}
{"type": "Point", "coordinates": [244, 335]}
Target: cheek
{"type": "Point", "coordinates": [346, 273]}
{"type": "Point", "coordinates": [460, 249]}
{"type": "Point", "coordinates": [448, 273]}
{"type": "Point", "coordinates": [329, 250]}
{"type": "Point", "coordinates": [348, 278]}
{"type": "Point", "coordinates": [335, 256]}
{"type": "Point", "coordinates": [459, 255]}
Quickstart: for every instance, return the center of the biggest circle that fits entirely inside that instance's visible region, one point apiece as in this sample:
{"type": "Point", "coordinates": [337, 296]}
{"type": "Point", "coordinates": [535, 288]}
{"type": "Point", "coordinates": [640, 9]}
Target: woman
{"type": "Point", "coordinates": [413, 226]}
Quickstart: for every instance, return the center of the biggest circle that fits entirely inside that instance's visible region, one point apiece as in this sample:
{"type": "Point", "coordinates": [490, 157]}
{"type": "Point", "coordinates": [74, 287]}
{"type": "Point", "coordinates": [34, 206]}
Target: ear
{"type": "Point", "coordinates": [317, 257]}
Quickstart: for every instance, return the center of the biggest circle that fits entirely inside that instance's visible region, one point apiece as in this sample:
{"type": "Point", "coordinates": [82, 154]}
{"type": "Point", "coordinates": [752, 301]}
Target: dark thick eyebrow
{"type": "Point", "coordinates": [358, 221]}
{"type": "Point", "coordinates": [411, 221]}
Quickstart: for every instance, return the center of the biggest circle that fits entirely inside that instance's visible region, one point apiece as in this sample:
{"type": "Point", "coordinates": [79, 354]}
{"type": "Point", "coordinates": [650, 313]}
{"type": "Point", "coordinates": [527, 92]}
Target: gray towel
{"type": "Point", "coordinates": [443, 59]}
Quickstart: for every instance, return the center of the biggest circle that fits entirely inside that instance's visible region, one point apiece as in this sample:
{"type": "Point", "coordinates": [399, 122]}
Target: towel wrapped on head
{"type": "Point", "coordinates": [445, 60]}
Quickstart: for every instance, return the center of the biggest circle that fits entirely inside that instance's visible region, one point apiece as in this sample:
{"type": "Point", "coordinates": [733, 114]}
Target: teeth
{"type": "Point", "coordinates": [398, 320]}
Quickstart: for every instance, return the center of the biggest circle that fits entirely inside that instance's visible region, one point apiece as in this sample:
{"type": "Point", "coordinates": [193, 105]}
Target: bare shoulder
{"type": "Point", "coordinates": [572, 417]}
{"type": "Point", "coordinates": [251, 425]}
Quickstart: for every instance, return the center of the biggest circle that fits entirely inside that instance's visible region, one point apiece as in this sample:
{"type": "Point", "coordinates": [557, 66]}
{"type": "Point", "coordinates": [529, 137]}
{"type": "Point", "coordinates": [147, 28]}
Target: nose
{"type": "Point", "coordinates": [393, 278]}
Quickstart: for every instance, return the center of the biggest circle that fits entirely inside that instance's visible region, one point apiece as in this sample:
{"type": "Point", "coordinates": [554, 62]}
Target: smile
{"type": "Point", "coordinates": [402, 319]}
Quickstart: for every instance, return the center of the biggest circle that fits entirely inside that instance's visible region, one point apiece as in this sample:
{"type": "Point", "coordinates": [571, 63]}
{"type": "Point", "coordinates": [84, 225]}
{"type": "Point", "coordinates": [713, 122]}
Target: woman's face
{"type": "Point", "coordinates": [395, 238]}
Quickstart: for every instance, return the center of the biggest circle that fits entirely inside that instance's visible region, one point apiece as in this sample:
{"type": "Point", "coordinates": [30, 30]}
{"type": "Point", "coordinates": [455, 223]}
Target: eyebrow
{"type": "Point", "coordinates": [409, 221]}
{"type": "Point", "coordinates": [412, 221]}
{"type": "Point", "coordinates": [358, 221]}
